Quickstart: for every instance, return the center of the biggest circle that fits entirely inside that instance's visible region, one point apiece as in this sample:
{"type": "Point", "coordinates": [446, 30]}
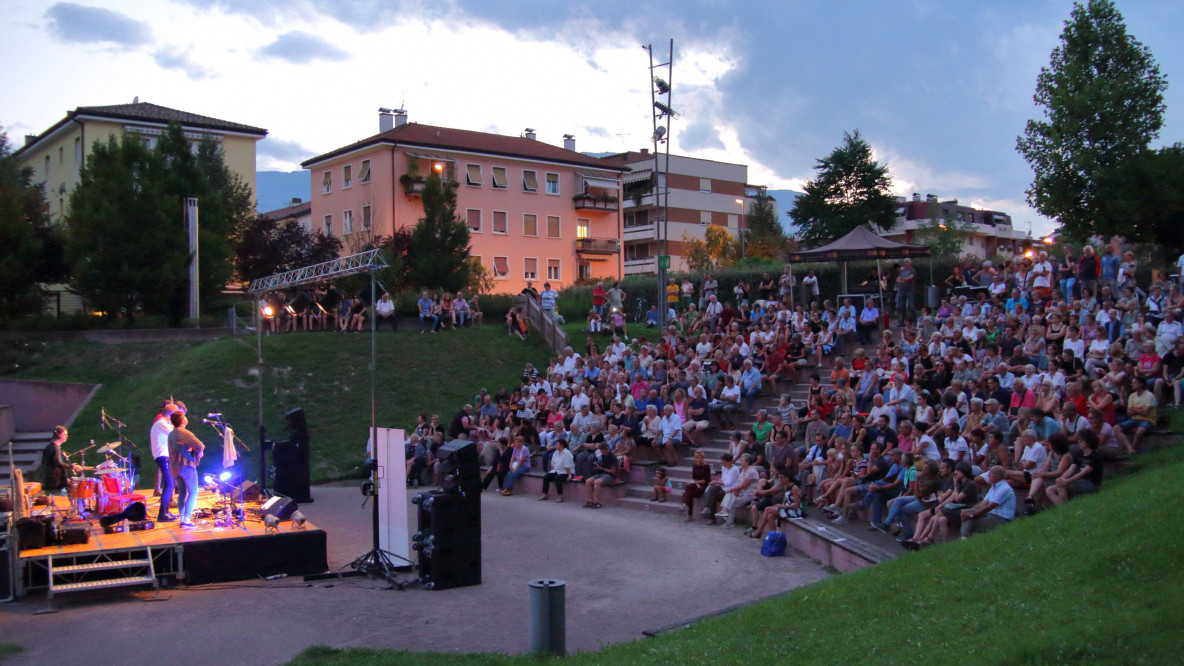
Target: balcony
{"type": "Point", "coordinates": [413, 187]}
{"type": "Point", "coordinates": [641, 232]}
{"type": "Point", "coordinates": [602, 202]}
{"type": "Point", "coordinates": [637, 266]}
{"type": "Point", "coordinates": [598, 245]}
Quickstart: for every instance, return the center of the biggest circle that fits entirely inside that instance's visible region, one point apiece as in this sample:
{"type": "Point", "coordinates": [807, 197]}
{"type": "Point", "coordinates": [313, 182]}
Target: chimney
{"type": "Point", "coordinates": [916, 197]}
{"type": "Point", "coordinates": [400, 117]}
{"type": "Point", "coordinates": [30, 139]}
{"type": "Point", "coordinates": [296, 201]}
{"type": "Point", "coordinates": [645, 151]}
{"type": "Point", "coordinates": [931, 198]}
{"type": "Point", "coordinates": [386, 122]}
{"type": "Point", "coordinates": [529, 133]}
{"type": "Point", "coordinates": [569, 142]}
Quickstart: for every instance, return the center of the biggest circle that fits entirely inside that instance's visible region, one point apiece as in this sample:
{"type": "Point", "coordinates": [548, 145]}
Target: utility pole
{"type": "Point", "coordinates": [663, 113]}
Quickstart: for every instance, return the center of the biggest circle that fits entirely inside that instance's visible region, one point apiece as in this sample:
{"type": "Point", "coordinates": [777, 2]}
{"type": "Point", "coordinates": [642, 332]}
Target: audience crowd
{"type": "Point", "coordinates": [1005, 398]}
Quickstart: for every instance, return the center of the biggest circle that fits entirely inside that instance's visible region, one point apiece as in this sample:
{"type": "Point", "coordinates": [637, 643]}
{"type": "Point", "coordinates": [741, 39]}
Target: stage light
{"type": "Point", "coordinates": [225, 476]}
{"type": "Point", "coordinates": [267, 311]}
{"type": "Point", "coordinates": [271, 524]}
{"type": "Point", "coordinates": [208, 479]}
{"type": "Point", "coordinates": [298, 520]}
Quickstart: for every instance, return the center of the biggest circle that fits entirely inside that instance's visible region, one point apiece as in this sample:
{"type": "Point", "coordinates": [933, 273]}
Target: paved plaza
{"type": "Point", "coordinates": [626, 572]}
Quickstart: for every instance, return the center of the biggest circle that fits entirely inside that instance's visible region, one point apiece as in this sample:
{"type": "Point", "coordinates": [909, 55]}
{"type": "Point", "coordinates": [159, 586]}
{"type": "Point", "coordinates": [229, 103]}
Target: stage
{"type": "Point", "coordinates": [194, 556]}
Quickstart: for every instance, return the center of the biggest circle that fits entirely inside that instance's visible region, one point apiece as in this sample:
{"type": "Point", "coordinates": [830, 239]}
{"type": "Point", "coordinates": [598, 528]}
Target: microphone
{"type": "Point", "coordinates": [210, 422]}
{"type": "Point", "coordinates": [103, 419]}
{"type": "Point", "coordinates": [214, 415]}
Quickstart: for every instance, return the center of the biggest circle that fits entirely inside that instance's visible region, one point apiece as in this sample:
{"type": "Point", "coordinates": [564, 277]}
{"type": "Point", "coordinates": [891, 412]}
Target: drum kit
{"type": "Point", "coordinates": [104, 493]}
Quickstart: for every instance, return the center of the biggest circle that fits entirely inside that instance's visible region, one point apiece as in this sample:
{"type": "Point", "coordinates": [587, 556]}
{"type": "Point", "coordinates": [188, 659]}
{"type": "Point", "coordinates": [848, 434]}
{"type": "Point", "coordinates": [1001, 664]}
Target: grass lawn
{"type": "Point", "coordinates": [1094, 581]}
{"type": "Point", "coordinates": [325, 373]}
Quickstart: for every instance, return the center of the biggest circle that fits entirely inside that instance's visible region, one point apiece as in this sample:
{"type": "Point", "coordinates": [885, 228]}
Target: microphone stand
{"type": "Point", "coordinates": [133, 471]}
{"type": "Point", "coordinates": [236, 515]}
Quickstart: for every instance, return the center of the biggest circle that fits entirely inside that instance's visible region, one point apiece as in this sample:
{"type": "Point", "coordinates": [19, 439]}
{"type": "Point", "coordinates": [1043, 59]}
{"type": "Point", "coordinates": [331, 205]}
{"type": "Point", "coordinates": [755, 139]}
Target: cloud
{"type": "Point", "coordinates": [69, 22]}
{"type": "Point", "coordinates": [178, 58]}
{"type": "Point", "coordinates": [700, 136]}
{"type": "Point", "coordinates": [282, 150]}
{"type": "Point", "coordinates": [301, 48]}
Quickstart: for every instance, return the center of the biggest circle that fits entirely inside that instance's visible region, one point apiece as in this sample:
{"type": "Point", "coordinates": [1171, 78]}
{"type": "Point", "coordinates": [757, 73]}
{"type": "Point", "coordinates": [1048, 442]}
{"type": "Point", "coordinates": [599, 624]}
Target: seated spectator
{"type": "Point", "coordinates": [604, 470]}
{"type": "Point", "coordinates": [789, 508]}
{"type": "Point", "coordinates": [738, 495]}
{"type": "Point", "coordinates": [662, 486]}
{"type": "Point", "coordinates": [1140, 412]}
{"type": "Point", "coordinates": [1084, 477]}
{"type": "Point", "coordinates": [461, 315]}
{"type": "Point", "coordinates": [501, 466]}
{"type": "Point", "coordinates": [562, 469]}
{"type": "Point", "coordinates": [384, 310]}
{"type": "Point", "coordinates": [519, 464]}
{"type": "Point", "coordinates": [428, 319]}
{"type": "Point", "coordinates": [997, 508]}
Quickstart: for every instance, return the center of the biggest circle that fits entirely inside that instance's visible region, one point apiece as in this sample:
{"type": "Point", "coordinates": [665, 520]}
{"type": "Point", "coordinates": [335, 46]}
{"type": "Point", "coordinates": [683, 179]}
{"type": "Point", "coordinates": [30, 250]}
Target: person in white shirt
{"type": "Point", "coordinates": [582, 422]}
{"type": "Point", "coordinates": [669, 435]}
{"type": "Point", "coordinates": [703, 347]}
{"type": "Point", "coordinates": [158, 436]}
{"type": "Point", "coordinates": [1042, 276]}
{"type": "Point", "coordinates": [1166, 334]}
{"type": "Point", "coordinates": [563, 467]}
{"type": "Point", "coordinates": [956, 447]}
{"type": "Point", "coordinates": [385, 310]}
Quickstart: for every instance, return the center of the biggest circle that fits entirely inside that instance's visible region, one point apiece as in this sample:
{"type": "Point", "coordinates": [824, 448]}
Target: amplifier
{"type": "Point", "coordinates": [73, 536]}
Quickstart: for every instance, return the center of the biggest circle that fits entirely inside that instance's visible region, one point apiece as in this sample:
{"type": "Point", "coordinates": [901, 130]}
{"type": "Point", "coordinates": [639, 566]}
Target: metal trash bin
{"type": "Point", "coordinates": [548, 617]}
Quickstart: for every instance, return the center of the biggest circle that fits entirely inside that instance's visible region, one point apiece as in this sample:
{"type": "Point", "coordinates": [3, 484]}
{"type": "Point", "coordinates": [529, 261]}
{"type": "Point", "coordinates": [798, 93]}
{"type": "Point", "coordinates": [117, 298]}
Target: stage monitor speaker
{"type": "Point", "coordinates": [251, 492]}
{"type": "Point", "coordinates": [280, 507]}
{"type": "Point", "coordinates": [451, 524]}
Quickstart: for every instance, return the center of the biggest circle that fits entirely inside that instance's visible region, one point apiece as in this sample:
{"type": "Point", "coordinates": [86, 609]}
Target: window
{"type": "Point", "coordinates": [552, 183]}
{"type": "Point", "coordinates": [473, 219]}
{"type": "Point", "coordinates": [367, 218]}
{"type": "Point", "coordinates": [553, 271]}
{"type": "Point", "coordinates": [552, 226]}
{"type": "Point", "coordinates": [61, 155]}
{"type": "Point", "coordinates": [530, 224]}
{"type": "Point", "coordinates": [582, 227]}
{"type": "Point", "coordinates": [704, 184]}
{"type": "Point", "coordinates": [328, 225]}
{"type": "Point", "coordinates": [500, 224]}
{"type": "Point", "coordinates": [77, 149]}
{"type": "Point", "coordinates": [530, 181]}
{"type": "Point", "coordinates": [501, 267]}
{"type": "Point", "coordinates": [704, 217]}
{"type": "Point", "coordinates": [347, 180]}
{"type": "Point", "coordinates": [530, 268]}
{"type": "Point", "coordinates": [733, 221]}
{"type": "Point", "coordinates": [347, 223]}
{"type": "Point", "coordinates": [47, 168]}
{"type": "Point", "coordinates": [364, 172]}
{"type": "Point", "coordinates": [473, 176]}
{"type": "Point", "coordinates": [501, 180]}
{"type": "Point", "coordinates": [327, 182]}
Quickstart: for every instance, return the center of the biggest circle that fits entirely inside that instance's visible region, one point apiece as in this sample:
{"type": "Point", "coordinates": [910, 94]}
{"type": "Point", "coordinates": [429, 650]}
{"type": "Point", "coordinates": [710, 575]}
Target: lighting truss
{"type": "Point", "coordinates": [361, 262]}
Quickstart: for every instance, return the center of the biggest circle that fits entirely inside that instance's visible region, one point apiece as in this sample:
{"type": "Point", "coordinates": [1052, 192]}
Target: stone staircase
{"type": "Point", "coordinates": [26, 454]}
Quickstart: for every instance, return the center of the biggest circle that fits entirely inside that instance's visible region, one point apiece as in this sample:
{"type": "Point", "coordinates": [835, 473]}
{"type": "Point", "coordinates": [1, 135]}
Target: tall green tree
{"type": "Point", "coordinates": [764, 236]}
{"type": "Point", "coordinates": [851, 189]}
{"type": "Point", "coordinates": [268, 247]}
{"type": "Point", "coordinates": [1102, 98]}
{"type": "Point", "coordinates": [1151, 198]}
{"type": "Point", "coordinates": [28, 243]}
{"type": "Point", "coordinates": [440, 247]}
{"type": "Point", "coordinates": [127, 243]}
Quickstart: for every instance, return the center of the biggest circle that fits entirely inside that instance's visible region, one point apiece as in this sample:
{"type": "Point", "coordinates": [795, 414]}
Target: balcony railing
{"type": "Point", "coordinates": [646, 265]}
{"type": "Point", "coordinates": [641, 232]}
{"type": "Point", "coordinates": [598, 245]}
{"type": "Point", "coordinates": [596, 202]}
{"type": "Point", "coordinates": [413, 187]}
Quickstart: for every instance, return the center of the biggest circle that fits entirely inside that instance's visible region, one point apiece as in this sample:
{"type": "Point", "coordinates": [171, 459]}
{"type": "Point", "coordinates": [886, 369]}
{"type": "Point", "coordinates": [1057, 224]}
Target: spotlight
{"type": "Point", "coordinates": [267, 311]}
{"type": "Point", "coordinates": [271, 523]}
{"type": "Point", "coordinates": [666, 110]}
{"type": "Point", "coordinates": [208, 479]}
{"type": "Point", "coordinates": [225, 476]}
{"type": "Point", "coordinates": [659, 133]}
{"type": "Point", "coordinates": [298, 520]}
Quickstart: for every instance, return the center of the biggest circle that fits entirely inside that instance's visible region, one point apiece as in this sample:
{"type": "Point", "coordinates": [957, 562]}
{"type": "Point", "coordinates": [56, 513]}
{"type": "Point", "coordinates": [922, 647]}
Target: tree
{"type": "Point", "coordinates": [945, 235]}
{"type": "Point", "coordinates": [268, 247]}
{"type": "Point", "coordinates": [1102, 97]}
{"type": "Point", "coordinates": [439, 254]}
{"type": "Point", "coordinates": [851, 189]}
{"type": "Point", "coordinates": [1151, 197]}
{"type": "Point", "coordinates": [764, 236]}
{"type": "Point", "coordinates": [27, 241]}
{"type": "Point", "coordinates": [127, 241]}
{"type": "Point", "coordinates": [717, 250]}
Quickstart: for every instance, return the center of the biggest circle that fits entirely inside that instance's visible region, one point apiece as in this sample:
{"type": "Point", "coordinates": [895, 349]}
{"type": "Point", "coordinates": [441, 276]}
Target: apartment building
{"type": "Point", "coordinates": [58, 154]}
{"type": "Point", "coordinates": [297, 211]}
{"type": "Point", "coordinates": [535, 211]}
{"type": "Point", "coordinates": [991, 232]}
{"type": "Point", "coordinates": [701, 193]}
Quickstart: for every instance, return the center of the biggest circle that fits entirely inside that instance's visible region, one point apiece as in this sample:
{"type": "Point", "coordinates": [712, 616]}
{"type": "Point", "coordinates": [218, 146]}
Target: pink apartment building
{"type": "Point", "coordinates": [535, 211]}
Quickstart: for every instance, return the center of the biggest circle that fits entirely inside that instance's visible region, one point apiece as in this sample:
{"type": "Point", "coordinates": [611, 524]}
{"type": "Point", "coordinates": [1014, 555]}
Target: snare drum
{"type": "Point", "coordinates": [81, 489]}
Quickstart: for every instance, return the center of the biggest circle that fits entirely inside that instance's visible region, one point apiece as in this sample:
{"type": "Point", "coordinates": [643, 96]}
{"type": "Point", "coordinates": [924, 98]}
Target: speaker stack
{"type": "Point", "coordinates": [290, 457]}
{"type": "Point", "coordinates": [448, 539]}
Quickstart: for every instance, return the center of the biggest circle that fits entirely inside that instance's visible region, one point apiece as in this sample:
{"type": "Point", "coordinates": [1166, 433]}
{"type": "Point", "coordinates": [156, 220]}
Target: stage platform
{"type": "Point", "coordinates": [205, 554]}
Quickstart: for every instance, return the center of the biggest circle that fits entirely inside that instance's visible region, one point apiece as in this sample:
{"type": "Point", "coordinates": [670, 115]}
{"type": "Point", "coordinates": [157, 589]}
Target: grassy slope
{"type": "Point", "coordinates": [325, 373]}
{"type": "Point", "coordinates": [1095, 581]}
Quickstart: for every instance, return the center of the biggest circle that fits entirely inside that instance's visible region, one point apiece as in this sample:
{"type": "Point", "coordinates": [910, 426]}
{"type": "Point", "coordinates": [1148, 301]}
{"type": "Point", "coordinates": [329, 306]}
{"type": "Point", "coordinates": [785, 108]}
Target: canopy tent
{"type": "Point", "coordinates": [861, 244]}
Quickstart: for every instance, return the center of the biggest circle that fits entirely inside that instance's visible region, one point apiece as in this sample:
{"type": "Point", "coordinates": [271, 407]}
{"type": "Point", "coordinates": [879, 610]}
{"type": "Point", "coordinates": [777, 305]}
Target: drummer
{"type": "Point", "coordinates": [56, 470]}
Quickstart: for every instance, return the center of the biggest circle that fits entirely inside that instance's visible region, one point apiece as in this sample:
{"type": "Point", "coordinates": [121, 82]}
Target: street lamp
{"type": "Point", "coordinates": [740, 229]}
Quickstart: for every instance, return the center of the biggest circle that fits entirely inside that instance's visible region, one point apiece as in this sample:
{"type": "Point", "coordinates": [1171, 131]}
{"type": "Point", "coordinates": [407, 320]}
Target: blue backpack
{"type": "Point", "coordinates": [774, 545]}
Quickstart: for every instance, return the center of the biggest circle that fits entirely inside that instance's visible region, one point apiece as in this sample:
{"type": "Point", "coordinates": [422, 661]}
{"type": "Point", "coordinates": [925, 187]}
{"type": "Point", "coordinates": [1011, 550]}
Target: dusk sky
{"type": "Point", "coordinates": [940, 89]}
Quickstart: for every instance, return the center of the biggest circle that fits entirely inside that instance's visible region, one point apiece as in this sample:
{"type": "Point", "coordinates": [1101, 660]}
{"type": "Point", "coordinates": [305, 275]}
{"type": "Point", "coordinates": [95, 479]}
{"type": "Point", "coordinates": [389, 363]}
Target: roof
{"type": "Point", "coordinates": [447, 138]}
{"type": "Point", "coordinates": [288, 212]}
{"type": "Point", "coordinates": [146, 112]}
{"type": "Point", "coordinates": [861, 243]}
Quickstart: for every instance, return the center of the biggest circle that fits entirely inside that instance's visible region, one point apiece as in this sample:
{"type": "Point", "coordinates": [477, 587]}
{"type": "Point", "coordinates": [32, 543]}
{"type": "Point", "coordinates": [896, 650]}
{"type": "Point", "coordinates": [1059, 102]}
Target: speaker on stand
{"type": "Point", "coordinates": [291, 460]}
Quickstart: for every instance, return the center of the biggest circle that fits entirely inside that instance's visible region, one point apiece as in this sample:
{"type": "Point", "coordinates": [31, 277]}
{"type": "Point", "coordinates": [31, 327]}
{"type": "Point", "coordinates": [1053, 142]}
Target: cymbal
{"type": "Point", "coordinates": [108, 448]}
{"type": "Point", "coordinates": [111, 470]}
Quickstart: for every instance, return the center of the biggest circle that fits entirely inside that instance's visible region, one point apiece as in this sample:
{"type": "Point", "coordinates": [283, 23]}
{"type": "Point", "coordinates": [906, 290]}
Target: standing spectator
{"type": "Point", "coordinates": [599, 297]}
{"type": "Point", "coordinates": [906, 291]}
{"type": "Point", "coordinates": [385, 311]}
{"type": "Point", "coordinates": [710, 287]}
{"type": "Point", "coordinates": [671, 294]}
{"type": "Point", "coordinates": [1042, 277]}
{"type": "Point", "coordinates": [785, 285]}
{"type": "Point", "coordinates": [686, 294]}
{"type": "Point", "coordinates": [530, 291]}
{"type": "Point", "coordinates": [1089, 270]}
{"type": "Point", "coordinates": [1066, 273]}
{"type": "Point", "coordinates": [616, 298]}
{"type": "Point", "coordinates": [547, 299]}
{"type": "Point", "coordinates": [810, 283]}
{"type": "Point", "coordinates": [1110, 264]}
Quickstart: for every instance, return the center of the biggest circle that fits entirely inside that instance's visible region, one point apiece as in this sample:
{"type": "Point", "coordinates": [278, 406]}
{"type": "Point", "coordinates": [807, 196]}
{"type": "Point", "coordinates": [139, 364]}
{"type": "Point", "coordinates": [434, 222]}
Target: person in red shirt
{"type": "Point", "coordinates": [599, 296]}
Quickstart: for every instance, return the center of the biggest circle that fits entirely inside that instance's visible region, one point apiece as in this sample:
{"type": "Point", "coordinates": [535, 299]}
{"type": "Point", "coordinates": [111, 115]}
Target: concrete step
{"type": "Point", "coordinates": [672, 506]}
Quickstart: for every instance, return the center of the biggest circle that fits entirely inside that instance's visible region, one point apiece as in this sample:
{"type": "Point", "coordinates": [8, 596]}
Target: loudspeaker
{"type": "Point", "coordinates": [7, 589]}
{"type": "Point", "coordinates": [31, 533]}
{"type": "Point", "coordinates": [448, 540]}
{"type": "Point", "coordinates": [460, 467]}
{"type": "Point", "coordinates": [280, 507]}
{"type": "Point", "coordinates": [291, 459]}
{"type": "Point", "coordinates": [251, 492]}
